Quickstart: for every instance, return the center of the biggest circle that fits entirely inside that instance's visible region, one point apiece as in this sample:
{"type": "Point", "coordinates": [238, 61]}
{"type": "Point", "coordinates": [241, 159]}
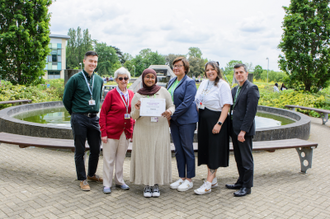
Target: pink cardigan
{"type": "Point", "coordinates": [112, 113]}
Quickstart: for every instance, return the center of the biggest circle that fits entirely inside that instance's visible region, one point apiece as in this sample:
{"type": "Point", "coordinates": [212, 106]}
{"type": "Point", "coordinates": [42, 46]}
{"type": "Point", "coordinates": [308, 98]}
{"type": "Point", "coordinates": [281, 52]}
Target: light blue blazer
{"type": "Point", "coordinates": [184, 97]}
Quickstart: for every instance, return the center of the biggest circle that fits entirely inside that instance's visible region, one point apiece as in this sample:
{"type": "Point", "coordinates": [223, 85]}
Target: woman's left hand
{"type": "Point", "coordinates": [167, 114]}
{"type": "Point", "coordinates": [216, 129]}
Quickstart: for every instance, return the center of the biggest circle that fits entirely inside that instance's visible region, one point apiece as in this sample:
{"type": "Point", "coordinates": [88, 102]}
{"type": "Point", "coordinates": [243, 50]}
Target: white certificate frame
{"type": "Point", "coordinates": [152, 107]}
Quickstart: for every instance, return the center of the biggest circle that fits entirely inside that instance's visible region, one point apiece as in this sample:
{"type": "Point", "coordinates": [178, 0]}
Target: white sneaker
{"type": "Point", "coordinates": [204, 189]}
{"type": "Point", "coordinates": [176, 184]}
{"type": "Point", "coordinates": [214, 183]}
{"type": "Point", "coordinates": [155, 191]}
{"type": "Point", "coordinates": [147, 192]}
{"type": "Point", "coordinates": [185, 186]}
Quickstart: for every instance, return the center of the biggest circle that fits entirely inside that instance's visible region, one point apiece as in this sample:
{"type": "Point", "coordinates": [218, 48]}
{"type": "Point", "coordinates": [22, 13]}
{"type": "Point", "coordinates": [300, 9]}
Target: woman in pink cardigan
{"type": "Point", "coordinates": [116, 130]}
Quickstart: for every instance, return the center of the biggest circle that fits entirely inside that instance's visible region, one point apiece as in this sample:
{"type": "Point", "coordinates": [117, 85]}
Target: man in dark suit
{"type": "Point", "coordinates": [244, 109]}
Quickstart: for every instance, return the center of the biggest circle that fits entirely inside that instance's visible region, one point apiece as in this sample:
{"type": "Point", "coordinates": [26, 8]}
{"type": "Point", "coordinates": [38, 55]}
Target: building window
{"type": "Point", "coordinates": [54, 74]}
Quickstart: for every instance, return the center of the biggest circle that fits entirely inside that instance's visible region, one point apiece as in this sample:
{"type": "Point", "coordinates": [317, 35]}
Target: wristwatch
{"type": "Point", "coordinates": [220, 123]}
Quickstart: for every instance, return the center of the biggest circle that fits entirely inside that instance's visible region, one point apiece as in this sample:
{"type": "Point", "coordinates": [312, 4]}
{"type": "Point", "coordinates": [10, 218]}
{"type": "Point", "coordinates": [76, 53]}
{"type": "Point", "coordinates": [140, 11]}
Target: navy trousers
{"type": "Point", "coordinates": [83, 128]}
{"type": "Point", "coordinates": [183, 137]}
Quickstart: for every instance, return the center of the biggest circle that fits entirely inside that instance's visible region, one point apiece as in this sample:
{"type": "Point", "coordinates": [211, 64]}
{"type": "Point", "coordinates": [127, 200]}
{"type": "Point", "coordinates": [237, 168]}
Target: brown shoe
{"type": "Point", "coordinates": [95, 178]}
{"type": "Point", "coordinates": [84, 185]}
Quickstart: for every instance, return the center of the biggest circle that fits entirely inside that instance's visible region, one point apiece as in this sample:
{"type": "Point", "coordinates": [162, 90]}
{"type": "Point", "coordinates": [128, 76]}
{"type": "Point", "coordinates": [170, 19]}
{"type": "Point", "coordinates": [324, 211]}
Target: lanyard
{"type": "Point", "coordinates": [89, 88]}
{"type": "Point", "coordinates": [204, 92]}
{"type": "Point", "coordinates": [154, 96]}
{"type": "Point", "coordinates": [126, 104]}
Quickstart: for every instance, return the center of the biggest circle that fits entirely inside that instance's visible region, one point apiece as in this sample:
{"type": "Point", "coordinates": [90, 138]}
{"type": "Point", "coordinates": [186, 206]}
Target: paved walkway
{"type": "Point", "coordinates": [40, 183]}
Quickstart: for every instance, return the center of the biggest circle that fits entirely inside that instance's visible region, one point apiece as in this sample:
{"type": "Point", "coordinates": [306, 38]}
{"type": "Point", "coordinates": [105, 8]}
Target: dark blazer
{"type": "Point", "coordinates": [245, 108]}
{"type": "Point", "coordinates": [184, 101]}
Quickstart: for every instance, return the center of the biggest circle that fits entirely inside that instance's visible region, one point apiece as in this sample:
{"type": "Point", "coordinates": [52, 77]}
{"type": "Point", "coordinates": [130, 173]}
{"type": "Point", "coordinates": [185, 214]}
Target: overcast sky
{"type": "Point", "coordinates": [223, 29]}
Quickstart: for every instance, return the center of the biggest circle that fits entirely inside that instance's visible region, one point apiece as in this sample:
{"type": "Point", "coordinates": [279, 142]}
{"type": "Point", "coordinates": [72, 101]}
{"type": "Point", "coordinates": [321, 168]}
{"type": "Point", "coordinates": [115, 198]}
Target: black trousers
{"type": "Point", "coordinates": [83, 128]}
{"type": "Point", "coordinates": [244, 160]}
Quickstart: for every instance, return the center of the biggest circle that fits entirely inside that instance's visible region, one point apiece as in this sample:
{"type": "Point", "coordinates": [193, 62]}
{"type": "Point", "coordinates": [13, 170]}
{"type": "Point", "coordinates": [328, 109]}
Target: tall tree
{"type": "Point", "coordinates": [78, 44]}
{"type": "Point", "coordinates": [257, 72]}
{"type": "Point", "coordinates": [229, 69]}
{"type": "Point", "coordinates": [108, 61]}
{"type": "Point", "coordinates": [305, 44]}
{"type": "Point", "coordinates": [24, 39]}
{"type": "Point", "coordinates": [195, 52]}
{"type": "Point", "coordinates": [145, 58]}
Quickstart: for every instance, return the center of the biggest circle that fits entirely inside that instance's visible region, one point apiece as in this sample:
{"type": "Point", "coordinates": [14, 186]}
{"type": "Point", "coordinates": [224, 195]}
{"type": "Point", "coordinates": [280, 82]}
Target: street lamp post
{"type": "Point", "coordinates": [267, 68]}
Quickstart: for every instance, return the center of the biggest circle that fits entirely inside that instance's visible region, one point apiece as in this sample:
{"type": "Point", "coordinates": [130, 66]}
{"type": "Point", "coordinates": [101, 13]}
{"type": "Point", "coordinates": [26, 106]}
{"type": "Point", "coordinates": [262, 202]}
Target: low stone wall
{"type": "Point", "coordinates": [299, 129]}
{"type": "Point", "coordinates": [16, 126]}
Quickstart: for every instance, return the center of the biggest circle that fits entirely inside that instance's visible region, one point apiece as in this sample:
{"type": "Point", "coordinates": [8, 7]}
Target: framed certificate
{"type": "Point", "coordinates": [152, 107]}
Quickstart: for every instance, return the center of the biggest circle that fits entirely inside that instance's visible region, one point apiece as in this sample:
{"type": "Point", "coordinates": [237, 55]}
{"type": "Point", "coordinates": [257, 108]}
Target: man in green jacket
{"type": "Point", "coordinates": [82, 96]}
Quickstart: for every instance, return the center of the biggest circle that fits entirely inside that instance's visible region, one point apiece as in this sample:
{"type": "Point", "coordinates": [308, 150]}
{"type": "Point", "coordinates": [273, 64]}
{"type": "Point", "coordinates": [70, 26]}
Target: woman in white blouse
{"type": "Point", "coordinates": [213, 100]}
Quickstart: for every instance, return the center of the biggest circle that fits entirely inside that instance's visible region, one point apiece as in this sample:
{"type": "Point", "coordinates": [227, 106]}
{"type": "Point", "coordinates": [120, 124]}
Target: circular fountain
{"type": "Point", "coordinates": [300, 128]}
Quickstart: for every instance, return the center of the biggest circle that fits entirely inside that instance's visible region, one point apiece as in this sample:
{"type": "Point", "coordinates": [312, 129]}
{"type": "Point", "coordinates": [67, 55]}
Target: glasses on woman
{"type": "Point", "coordinates": [125, 78]}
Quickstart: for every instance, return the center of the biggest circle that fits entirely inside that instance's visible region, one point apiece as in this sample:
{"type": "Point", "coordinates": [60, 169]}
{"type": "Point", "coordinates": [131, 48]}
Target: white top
{"type": "Point", "coordinates": [276, 89]}
{"type": "Point", "coordinates": [214, 97]}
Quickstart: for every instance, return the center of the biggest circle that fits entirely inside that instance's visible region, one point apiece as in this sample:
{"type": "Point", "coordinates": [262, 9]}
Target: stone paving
{"type": "Point", "coordinates": [40, 183]}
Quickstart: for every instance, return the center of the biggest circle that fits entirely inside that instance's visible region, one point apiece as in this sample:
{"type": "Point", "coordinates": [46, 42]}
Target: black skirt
{"type": "Point", "coordinates": [213, 149]}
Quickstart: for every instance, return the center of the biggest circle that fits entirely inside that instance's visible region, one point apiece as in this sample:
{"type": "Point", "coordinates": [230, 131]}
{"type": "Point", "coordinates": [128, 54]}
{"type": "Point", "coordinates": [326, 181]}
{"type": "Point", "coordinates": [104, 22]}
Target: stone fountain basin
{"type": "Point", "coordinates": [299, 129]}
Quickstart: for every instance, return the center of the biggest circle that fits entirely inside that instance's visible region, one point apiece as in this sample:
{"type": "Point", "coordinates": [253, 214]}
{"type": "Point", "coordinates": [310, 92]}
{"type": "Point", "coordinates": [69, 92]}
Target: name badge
{"type": "Point", "coordinates": [154, 119]}
{"type": "Point", "coordinates": [91, 102]}
{"type": "Point", "coordinates": [127, 116]}
{"type": "Point", "coordinates": [201, 106]}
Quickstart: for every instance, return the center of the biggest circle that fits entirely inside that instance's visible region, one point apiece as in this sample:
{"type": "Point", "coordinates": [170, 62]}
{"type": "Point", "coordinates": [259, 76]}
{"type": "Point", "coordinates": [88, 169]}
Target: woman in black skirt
{"type": "Point", "coordinates": [213, 100]}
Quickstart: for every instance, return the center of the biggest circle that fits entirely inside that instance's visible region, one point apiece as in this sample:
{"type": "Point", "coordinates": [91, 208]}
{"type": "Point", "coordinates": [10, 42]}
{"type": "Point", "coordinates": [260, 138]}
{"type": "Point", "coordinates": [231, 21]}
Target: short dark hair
{"type": "Point", "coordinates": [241, 65]}
{"type": "Point", "coordinates": [90, 53]}
{"type": "Point", "coordinates": [216, 66]}
{"type": "Point", "coordinates": [184, 61]}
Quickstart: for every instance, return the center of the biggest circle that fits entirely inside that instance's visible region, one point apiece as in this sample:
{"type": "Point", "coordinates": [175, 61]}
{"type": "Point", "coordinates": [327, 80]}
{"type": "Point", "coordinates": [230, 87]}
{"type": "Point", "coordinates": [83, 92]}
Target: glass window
{"type": "Point", "coordinates": [59, 45]}
{"type": "Point", "coordinates": [54, 58]}
{"type": "Point", "coordinates": [59, 66]}
{"type": "Point", "coordinates": [49, 58]}
{"type": "Point", "coordinates": [59, 58]}
{"type": "Point", "coordinates": [54, 52]}
{"type": "Point", "coordinates": [59, 52]}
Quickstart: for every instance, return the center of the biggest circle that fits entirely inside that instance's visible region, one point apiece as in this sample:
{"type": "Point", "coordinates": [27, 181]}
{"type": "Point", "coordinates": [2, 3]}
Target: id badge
{"type": "Point", "coordinates": [154, 119]}
{"type": "Point", "coordinates": [201, 106]}
{"type": "Point", "coordinates": [127, 116]}
{"type": "Point", "coordinates": [91, 102]}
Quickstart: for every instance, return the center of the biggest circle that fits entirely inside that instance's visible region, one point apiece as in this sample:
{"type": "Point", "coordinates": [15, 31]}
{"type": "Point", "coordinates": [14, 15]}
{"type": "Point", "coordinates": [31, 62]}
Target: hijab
{"type": "Point", "coordinates": [145, 90]}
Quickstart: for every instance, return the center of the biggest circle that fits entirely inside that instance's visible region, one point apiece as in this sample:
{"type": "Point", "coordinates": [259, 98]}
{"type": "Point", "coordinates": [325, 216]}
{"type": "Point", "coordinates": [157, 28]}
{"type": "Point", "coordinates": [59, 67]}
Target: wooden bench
{"type": "Point", "coordinates": [15, 101]}
{"type": "Point", "coordinates": [304, 148]}
{"type": "Point", "coordinates": [323, 113]}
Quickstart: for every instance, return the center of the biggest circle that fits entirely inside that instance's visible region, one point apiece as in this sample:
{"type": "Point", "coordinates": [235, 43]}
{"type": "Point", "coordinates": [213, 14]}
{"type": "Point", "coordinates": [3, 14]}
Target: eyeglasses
{"type": "Point", "coordinates": [125, 78]}
{"type": "Point", "coordinates": [177, 66]}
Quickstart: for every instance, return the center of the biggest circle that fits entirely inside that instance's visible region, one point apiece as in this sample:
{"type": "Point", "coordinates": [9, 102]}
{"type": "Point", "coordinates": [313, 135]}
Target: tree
{"type": "Point", "coordinates": [120, 55]}
{"type": "Point", "coordinates": [195, 52]}
{"type": "Point", "coordinates": [170, 58]}
{"type": "Point", "coordinates": [24, 39]}
{"type": "Point", "coordinates": [257, 72]}
{"type": "Point", "coordinates": [305, 44]}
{"type": "Point", "coordinates": [108, 61]}
{"type": "Point", "coordinates": [196, 66]}
{"type": "Point", "coordinates": [229, 69]}
{"type": "Point", "coordinates": [145, 58]}
{"type": "Point", "coordinates": [78, 44]}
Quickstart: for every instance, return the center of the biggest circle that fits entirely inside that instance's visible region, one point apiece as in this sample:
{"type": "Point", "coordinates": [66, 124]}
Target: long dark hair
{"type": "Point", "coordinates": [215, 65]}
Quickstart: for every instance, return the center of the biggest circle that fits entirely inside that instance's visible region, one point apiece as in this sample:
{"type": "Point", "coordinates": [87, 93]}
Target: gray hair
{"type": "Point", "coordinates": [241, 65]}
{"type": "Point", "coordinates": [122, 71]}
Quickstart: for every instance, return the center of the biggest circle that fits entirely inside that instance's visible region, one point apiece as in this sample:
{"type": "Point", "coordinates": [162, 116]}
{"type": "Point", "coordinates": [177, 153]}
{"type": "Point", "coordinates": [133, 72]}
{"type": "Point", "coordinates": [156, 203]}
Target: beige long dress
{"type": "Point", "coordinates": [151, 152]}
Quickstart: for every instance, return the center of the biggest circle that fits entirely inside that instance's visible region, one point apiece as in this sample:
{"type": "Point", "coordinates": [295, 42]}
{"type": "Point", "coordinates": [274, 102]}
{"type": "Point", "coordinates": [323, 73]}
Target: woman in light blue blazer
{"type": "Point", "coordinates": [183, 123]}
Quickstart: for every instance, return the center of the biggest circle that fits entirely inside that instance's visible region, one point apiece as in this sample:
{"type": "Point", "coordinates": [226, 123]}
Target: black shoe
{"type": "Point", "coordinates": [233, 186]}
{"type": "Point", "coordinates": [242, 192]}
